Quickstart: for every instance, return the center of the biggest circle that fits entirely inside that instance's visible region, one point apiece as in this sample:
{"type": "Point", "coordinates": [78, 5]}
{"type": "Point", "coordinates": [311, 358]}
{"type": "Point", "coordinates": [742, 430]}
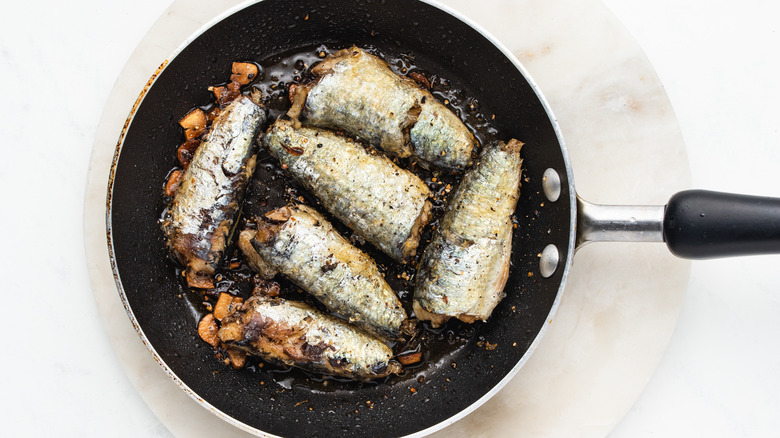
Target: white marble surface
{"type": "Point", "coordinates": [64, 375]}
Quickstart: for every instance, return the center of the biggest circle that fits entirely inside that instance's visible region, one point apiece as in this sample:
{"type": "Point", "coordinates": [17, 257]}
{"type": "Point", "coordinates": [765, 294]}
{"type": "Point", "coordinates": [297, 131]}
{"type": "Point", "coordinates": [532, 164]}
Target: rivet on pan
{"type": "Point", "coordinates": [551, 184]}
{"type": "Point", "coordinates": [549, 261]}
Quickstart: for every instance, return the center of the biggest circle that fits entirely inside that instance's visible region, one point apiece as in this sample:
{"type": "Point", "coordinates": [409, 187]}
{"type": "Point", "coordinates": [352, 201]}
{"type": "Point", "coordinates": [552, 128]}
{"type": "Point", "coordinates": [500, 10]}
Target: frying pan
{"type": "Point", "coordinates": [552, 222]}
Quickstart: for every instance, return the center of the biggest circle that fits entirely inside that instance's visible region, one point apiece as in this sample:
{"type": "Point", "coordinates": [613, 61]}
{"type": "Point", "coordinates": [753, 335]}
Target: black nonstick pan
{"type": "Point", "coordinates": [464, 365]}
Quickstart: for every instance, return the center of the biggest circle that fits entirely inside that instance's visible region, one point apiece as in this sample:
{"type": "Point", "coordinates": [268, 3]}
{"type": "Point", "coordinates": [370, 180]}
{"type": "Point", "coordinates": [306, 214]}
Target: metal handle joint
{"type": "Point", "coordinates": [618, 223]}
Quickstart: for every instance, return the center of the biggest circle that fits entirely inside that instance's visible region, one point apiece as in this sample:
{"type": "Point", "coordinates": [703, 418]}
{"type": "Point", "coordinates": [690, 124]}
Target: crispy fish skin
{"type": "Point", "coordinates": [301, 244]}
{"type": "Point", "coordinates": [465, 267]}
{"type": "Point", "coordinates": [384, 204]}
{"type": "Point", "coordinates": [298, 335]}
{"type": "Point", "coordinates": [204, 207]}
{"type": "Point", "coordinates": [359, 93]}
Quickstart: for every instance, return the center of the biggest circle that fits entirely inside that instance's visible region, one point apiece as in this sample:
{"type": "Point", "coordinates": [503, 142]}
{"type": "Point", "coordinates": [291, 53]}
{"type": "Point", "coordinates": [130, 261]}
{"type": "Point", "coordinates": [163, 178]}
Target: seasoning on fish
{"type": "Point", "coordinates": [384, 204]}
{"type": "Point", "coordinates": [359, 93]}
{"type": "Point", "coordinates": [301, 244]}
{"type": "Point", "coordinates": [207, 199]}
{"type": "Point", "coordinates": [296, 334]}
{"type": "Point", "coordinates": [465, 267]}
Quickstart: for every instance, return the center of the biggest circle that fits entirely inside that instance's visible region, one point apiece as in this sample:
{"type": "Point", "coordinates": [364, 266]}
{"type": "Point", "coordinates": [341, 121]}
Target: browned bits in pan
{"type": "Point", "coordinates": [173, 182]}
{"type": "Point", "coordinates": [243, 72]}
{"type": "Point", "coordinates": [226, 94]}
{"type": "Point", "coordinates": [194, 123]}
{"type": "Point", "coordinates": [226, 304]}
{"type": "Point", "coordinates": [265, 287]}
{"type": "Point", "coordinates": [199, 280]}
{"type": "Point", "coordinates": [208, 330]}
{"type": "Point", "coordinates": [237, 358]}
{"type": "Point", "coordinates": [487, 345]}
{"type": "Point", "coordinates": [420, 79]}
{"type": "Point", "coordinates": [186, 151]}
{"type": "Point", "coordinates": [410, 358]}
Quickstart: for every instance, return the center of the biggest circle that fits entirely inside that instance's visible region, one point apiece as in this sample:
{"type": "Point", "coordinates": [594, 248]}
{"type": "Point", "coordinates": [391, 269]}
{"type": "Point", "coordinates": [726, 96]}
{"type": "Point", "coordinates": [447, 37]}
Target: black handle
{"type": "Point", "coordinates": [700, 224]}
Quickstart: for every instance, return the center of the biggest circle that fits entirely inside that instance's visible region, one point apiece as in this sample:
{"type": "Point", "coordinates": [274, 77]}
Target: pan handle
{"type": "Point", "coordinates": [699, 224]}
{"type": "Point", "coordinates": [695, 224]}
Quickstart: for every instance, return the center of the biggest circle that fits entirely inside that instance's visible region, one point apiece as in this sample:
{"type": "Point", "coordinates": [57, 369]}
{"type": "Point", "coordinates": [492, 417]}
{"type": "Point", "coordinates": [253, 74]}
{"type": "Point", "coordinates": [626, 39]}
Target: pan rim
{"type": "Point", "coordinates": [565, 266]}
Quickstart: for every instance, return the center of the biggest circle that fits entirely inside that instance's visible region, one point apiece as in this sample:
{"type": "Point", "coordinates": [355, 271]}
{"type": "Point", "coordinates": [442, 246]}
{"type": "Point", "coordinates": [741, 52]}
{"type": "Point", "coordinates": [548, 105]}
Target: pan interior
{"type": "Point", "coordinates": [271, 401]}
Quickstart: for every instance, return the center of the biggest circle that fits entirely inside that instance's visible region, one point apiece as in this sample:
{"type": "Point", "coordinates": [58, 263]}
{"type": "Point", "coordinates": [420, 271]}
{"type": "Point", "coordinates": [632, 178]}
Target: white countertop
{"type": "Point", "coordinates": [720, 375]}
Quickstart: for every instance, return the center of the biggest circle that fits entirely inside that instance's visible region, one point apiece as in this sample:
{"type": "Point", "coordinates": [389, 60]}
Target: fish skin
{"type": "Point", "coordinates": [440, 137]}
{"type": "Point", "coordinates": [384, 204]}
{"type": "Point", "coordinates": [464, 269]}
{"type": "Point", "coordinates": [359, 93]}
{"type": "Point", "coordinates": [302, 245]}
{"type": "Point", "coordinates": [205, 205]}
{"type": "Point", "coordinates": [295, 334]}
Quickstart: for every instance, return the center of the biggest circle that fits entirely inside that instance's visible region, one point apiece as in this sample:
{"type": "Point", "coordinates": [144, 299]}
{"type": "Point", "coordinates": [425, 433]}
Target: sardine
{"type": "Point", "coordinates": [359, 93]}
{"type": "Point", "coordinates": [205, 204]}
{"type": "Point", "coordinates": [464, 269]}
{"type": "Point", "coordinates": [296, 334]}
{"type": "Point", "coordinates": [384, 204]}
{"type": "Point", "coordinates": [301, 244]}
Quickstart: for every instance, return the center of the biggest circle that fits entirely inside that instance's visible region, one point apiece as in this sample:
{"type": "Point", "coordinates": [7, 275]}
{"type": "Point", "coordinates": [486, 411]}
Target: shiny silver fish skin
{"type": "Point", "coordinates": [464, 269]}
{"type": "Point", "coordinates": [296, 334]}
{"type": "Point", "coordinates": [204, 207]}
{"type": "Point", "coordinates": [384, 204]}
{"type": "Point", "coordinates": [359, 93]}
{"type": "Point", "coordinates": [301, 244]}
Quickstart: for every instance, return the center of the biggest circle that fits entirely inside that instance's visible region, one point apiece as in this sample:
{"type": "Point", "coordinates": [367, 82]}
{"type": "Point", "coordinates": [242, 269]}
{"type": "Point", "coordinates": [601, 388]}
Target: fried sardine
{"type": "Point", "coordinates": [465, 267]}
{"type": "Point", "coordinates": [301, 244]}
{"type": "Point", "coordinates": [296, 334]}
{"type": "Point", "coordinates": [205, 204]}
{"type": "Point", "coordinates": [359, 93]}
